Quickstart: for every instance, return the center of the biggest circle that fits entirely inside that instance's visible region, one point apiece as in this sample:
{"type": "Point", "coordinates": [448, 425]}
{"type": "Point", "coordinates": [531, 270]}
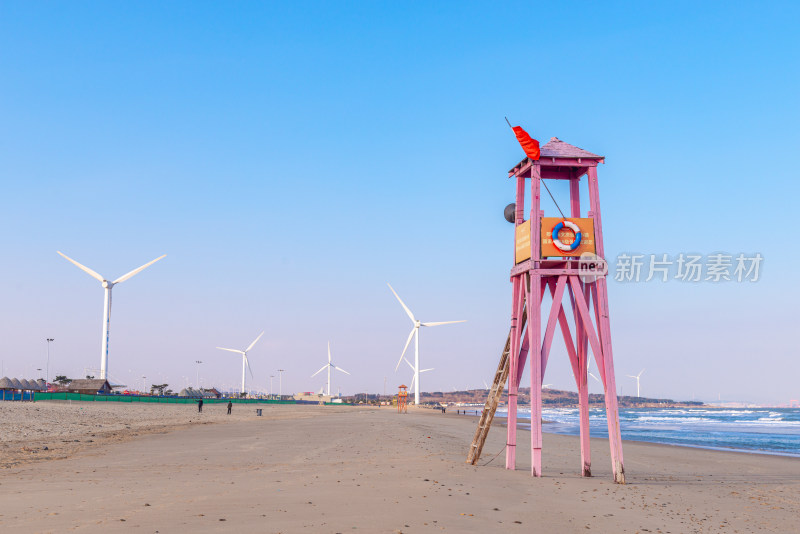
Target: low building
{"type": "Point", "coordinates": [89, 386]}
{"type": "Point", "coordinates": [310, 396]}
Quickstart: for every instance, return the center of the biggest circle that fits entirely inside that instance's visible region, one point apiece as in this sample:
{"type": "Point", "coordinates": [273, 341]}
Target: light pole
{"type": "Point", "coordinates": [47, 371]}
{"type": "Point", "coordinates": [270, 385]}
{"type": "Point", "coordinates": [197, 379]}
{"type": "Point", "coordinates": [144, 384]}
{"type": "Point", "coordinates": [280, 383]}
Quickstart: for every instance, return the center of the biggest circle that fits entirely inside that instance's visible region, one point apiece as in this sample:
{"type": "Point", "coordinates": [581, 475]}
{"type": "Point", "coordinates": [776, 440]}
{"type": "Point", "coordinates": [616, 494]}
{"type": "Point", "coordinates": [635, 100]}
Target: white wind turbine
{"type": "Point", "coordinates": [637, 381]}
{"type": "Point", "coordinates": [414, 377]}
{"type": "Point", "coordinates": [245, 361]}
{"type": "Point", "coordinates": [107, 304]}
{"type": "Point", "coordinates": [415, 333]}
{"type": "Point", "coordinates": [328, 366]}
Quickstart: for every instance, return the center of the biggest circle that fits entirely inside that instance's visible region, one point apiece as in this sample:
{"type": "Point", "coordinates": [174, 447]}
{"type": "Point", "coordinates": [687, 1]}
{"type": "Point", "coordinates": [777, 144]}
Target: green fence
{"type": "Point", "coordinates": [147, 398]}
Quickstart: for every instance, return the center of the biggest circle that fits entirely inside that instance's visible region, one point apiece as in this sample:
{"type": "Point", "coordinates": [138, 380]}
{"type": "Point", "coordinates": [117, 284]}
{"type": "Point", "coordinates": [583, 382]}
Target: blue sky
{"type": "Point", "coordinates": [291, 159]}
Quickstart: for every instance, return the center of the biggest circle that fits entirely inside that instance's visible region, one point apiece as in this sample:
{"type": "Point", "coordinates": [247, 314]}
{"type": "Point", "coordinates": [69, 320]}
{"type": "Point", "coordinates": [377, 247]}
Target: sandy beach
{"type": "Point", "coordinates": [152, 468]}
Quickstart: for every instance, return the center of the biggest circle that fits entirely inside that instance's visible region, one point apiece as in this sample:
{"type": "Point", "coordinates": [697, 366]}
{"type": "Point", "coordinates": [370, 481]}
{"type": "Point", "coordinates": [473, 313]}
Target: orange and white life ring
{"type": "Point", "coordinates": [575, 229]}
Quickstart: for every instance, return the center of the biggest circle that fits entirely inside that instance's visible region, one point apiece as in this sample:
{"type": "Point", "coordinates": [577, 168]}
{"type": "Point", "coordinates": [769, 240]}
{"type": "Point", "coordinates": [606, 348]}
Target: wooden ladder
{"type": "Point", "coordinates": [495, 394]}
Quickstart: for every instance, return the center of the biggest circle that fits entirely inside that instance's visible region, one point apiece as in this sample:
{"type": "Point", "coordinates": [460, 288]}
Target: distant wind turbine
{"type": "Point", "coordinates": [107, 304]}
{"type": "Point", "coordinates": [485, 384]}
{"type": "Point", "coordinates": [588, 365]}
{"type": "Point", "coordinates": [637, 381]}
{"type": "Point", "coordinates": [329, 366]}
{"type": "Point", "coordinates": [245, 361]}
{"type": "Point", "coordinates": [415, 334]}
{"type": "Point", "coordinates": [414, 376]}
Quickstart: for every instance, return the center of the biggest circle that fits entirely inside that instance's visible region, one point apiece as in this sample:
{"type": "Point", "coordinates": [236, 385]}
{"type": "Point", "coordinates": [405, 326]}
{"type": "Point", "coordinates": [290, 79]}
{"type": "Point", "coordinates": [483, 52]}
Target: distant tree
{"type": "Point", "coordinates": [62, 380]}
{"type": "Point", "coordinates": [158, 387]}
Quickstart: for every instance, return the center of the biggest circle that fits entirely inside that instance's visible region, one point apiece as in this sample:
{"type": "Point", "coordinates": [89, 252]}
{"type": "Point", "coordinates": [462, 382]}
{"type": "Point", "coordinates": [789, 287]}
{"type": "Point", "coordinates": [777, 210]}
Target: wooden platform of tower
{"type": "Point", "coordinates": [576, 288]}
{"type": "Point", "coordinates": [402, 399]}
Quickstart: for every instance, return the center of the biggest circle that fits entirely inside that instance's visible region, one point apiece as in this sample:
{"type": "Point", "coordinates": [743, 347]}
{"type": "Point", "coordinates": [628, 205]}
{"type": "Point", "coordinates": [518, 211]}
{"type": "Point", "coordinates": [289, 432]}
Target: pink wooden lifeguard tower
{"type": "Point", "coordinates": [552, 254]}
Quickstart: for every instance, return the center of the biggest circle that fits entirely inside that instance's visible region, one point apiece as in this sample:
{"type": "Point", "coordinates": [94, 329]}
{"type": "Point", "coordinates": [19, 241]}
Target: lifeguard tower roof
{"type": "Point", "coordinates": [555, 148]}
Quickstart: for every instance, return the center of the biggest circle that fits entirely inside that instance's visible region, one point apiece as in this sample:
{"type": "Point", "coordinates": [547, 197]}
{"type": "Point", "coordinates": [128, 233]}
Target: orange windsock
{"type": "Point", "coordinates": [528, 144]}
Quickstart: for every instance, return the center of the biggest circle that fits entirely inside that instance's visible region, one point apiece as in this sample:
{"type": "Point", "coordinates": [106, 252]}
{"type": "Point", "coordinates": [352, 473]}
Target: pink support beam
{"type": "Point", "coordinates": [535, 336]}
{"type": "Point", "coordinates": [583, 393]}
{"type": "Point", "coordinates": [604, 326]}
{"type": "Point", "coordinates": [536, 245]}
{"type": "Point", "coordinates": [516, 329]}
{"type": "Point", "coordinates": [511, 422]}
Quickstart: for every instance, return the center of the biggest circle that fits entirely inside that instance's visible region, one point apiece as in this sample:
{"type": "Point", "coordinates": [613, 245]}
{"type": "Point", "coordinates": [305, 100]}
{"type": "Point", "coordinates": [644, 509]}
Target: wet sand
{"type": "Point", "coordinates": [345, 469]}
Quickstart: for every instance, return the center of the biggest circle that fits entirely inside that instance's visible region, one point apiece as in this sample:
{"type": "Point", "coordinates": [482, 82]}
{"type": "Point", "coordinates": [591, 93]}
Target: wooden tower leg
{"type": "Point", "coordinates": [612, 409]}
{"type": "Point", "coordinates": [535, 343]}
{"type": "Point", "coordinates": [583, 392]}
{"type": "Point", "coordinates": [511, 426]}
{"type": "Point", "coordinates": [582, 379]}
{"type": "Point", "coordinates": [600, 294]}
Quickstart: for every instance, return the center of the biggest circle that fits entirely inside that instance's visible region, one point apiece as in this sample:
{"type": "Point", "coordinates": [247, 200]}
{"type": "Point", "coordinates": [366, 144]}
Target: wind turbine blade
{"type": "Point", "coordinates": [409, 364]}
{"type": "Point", "coordinates": [631, 376]}
{"type": "Point", "coordinates": [342, 370]}
{"type": "Point", "coordinates": [445, 322]}
{"type": "Point", "coordinates": [403, 304]}
{"type": "Point", "coordinates": [137, 271]}
{"type": "Point", "coordinates": [232, 350]}
{"type": "Point", "coordinates": [247, 361]}
{"type": "Point", "coordinates": [320, 370]}
{"type": "Point", "coordinates": [424, 370]}
{"type": "Point", "coordinates": [408, 342]}
{"type": "Point", "coordinates": [411, 387]}
{"type": "Point", "coordinates": [254, 342]}
{"type": "Point", "coordinates": [82, 267]}
{"type": "Point", "coordinates": [329, 352]}
{"type": "Point", "coordinates": [640, 373]}
{"type": "Point", "coordinates": [590, 374]}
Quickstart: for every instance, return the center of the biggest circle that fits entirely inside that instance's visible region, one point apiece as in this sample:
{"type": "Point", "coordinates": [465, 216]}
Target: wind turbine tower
{"type": "Point", "coordinates": [329, 366]}
{"type": "Point", "coordinates": [415, 334]}
{"type": "Point", "coordinates": [245, 361]}
{"type": "Point", "coordinates": [107, 304]}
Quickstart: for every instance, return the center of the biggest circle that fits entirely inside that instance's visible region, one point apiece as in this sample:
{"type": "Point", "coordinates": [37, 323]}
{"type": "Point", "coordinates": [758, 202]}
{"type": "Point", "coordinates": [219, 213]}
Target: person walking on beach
{"type": "Point", "coordinates": [200, 406]}
{"type": "Point", "coordinates": [230, 405]}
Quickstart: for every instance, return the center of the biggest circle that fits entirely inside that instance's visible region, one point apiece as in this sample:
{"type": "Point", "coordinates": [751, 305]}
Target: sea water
{"type": "Point", "coordinates": [762, 430]}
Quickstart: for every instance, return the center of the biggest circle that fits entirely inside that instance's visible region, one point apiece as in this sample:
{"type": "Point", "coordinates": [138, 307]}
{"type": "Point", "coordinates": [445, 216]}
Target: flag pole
{"type": "Point", "coordinates": [544, 184]}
